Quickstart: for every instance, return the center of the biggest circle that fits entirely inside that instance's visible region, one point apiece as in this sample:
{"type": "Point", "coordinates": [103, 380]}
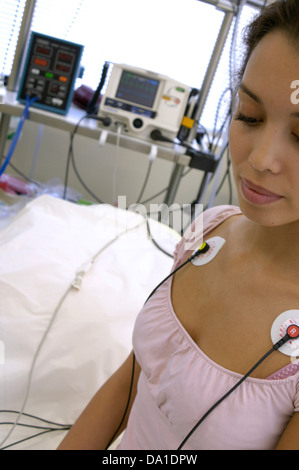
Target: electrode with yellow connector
{"type": "Point", "coordinates": [203, 248]}
{"type": "Point", "coordinates": [207, 251]}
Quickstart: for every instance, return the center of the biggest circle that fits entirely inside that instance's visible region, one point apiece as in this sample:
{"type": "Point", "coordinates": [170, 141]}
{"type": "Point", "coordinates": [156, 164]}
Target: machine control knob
{"type": "Point", "coordinates": [137, 123]}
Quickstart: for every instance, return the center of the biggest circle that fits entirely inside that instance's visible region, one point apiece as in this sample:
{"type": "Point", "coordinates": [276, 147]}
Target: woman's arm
{"type": "Point", "coordinates": [102, 416]}
{"type": "Point", "coordinates": [290, 437]}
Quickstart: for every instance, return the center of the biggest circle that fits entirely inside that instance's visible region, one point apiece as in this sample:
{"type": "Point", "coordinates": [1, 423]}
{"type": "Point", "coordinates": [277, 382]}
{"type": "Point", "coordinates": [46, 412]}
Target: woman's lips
{"type": "Point", "coordinates": [256, 194]}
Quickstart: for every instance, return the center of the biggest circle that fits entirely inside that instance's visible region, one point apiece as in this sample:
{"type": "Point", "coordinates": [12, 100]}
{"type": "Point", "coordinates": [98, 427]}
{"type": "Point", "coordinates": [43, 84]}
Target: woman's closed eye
{"type": "Point", "coordinates": [251, 121]}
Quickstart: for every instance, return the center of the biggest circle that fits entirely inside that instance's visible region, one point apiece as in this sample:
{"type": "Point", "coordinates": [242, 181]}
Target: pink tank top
{"type": "Point", "coordinates": [178, 383]}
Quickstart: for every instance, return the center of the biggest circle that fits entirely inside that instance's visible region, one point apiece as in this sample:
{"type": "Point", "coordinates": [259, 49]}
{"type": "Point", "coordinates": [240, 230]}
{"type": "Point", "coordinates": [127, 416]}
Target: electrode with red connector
{"type": "Point", "coordinates": [285, 332]}
{"type": "Point", "coordinates": [293, 331]}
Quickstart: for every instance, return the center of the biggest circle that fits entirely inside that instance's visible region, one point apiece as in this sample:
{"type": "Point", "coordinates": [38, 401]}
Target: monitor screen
{"type": "Point", "coordinates": [137, 89]}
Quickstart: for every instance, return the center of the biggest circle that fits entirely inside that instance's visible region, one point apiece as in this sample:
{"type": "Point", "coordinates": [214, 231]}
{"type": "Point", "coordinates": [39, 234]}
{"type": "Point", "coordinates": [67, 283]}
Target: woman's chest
{"type": "Point", "coordinates": [228, 309]}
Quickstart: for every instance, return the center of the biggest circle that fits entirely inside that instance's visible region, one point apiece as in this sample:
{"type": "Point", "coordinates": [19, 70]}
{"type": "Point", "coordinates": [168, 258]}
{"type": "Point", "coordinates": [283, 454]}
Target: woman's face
{"type": "Point", "coordinates": [264, 134]}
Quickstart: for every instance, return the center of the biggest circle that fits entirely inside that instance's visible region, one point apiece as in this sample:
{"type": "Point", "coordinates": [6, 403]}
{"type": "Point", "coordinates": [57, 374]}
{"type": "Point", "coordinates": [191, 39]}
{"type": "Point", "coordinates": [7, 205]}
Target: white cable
{"type": "Point", "coordinates": [76, 284]}
{"type": "Point", "coordinates": [114, 175]}
{"type": "Point", "coordinates": [34, 362]}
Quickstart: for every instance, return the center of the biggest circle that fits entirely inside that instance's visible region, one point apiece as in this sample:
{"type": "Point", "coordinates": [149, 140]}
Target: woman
{"type": "Point", "coordinates": [204, 328]}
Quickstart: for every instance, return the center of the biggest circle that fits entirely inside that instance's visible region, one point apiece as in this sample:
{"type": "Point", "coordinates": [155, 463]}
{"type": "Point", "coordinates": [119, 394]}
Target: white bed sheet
{"type": "Point", "coordinates": [41, 250]}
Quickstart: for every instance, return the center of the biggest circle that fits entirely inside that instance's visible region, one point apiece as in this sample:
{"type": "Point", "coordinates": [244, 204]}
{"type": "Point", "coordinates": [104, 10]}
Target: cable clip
{"type": "Point", "coordinates": [77, 282]}
{"type": "Point", "coordinates": [153, 153]}
{"type": "Point", "coordinates": [103, 138]}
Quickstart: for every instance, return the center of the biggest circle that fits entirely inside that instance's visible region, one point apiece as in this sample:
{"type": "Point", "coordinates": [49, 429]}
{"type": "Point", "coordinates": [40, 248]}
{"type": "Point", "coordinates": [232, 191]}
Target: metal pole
{"type": "Point", "coordinates": [222, 5]}
{"type": "Point", "coordinates": [4, 129]}
{"type": "Point", "coordinates": [15, 71]}
{"type": "Point", "coordinates": [21, 45]}
{"type": "Point", "coordinates": [174, 184]}
{"type": "Point", "coordinates": [227, 21]}
{"type": "Point", "coordinates": [205, 88]}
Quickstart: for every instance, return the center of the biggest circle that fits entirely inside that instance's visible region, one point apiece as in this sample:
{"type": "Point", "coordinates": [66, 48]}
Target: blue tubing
{"type": "Point", "coordinates": [16, 137]}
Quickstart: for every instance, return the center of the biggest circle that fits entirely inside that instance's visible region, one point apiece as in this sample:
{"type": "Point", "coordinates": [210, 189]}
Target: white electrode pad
{"type": "Point", "coordinates": [279, 330]}
{"type": "Point", "coordinates": [215, 244]}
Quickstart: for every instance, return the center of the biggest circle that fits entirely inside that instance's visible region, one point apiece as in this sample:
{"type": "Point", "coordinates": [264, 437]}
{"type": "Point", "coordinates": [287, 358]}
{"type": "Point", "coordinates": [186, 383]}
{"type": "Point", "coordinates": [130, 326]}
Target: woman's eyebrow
{"type": "Point", "coordinates": [248, 92]}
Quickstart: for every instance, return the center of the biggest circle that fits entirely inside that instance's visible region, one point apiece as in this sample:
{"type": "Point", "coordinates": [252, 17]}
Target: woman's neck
{"type": "Point", "coordinates": [279, 244]}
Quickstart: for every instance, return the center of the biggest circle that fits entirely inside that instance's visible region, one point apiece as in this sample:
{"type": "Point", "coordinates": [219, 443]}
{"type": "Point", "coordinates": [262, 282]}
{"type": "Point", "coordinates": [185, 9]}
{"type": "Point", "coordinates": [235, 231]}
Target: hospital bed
{"type": "Point", "coordinates": [72, 281]}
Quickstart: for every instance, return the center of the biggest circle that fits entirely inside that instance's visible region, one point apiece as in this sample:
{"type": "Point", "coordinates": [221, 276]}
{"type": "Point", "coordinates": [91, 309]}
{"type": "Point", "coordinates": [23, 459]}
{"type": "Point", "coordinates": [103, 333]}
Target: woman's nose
{"type": "Point", "coordinates": [267, 153]}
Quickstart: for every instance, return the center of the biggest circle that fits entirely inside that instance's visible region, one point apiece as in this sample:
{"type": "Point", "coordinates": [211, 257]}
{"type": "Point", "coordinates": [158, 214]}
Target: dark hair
{"type": "Point", "coordinates": [282, 15]}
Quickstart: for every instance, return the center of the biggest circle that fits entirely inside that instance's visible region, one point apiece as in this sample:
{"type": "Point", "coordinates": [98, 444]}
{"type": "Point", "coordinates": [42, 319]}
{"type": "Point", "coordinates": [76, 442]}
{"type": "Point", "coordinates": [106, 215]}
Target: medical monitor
{"type": "Point", "coordinates": [137, 89]}
{"type": "Point", "coordinates": [143, 101]}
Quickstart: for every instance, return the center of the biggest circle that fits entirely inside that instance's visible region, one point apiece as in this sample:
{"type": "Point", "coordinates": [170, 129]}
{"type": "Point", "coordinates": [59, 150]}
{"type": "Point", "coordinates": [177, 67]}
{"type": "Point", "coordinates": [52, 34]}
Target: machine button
{"type": "Point", "coordinates": [57, 102]}
{"type": "Point", "coordinates": [137, 123]}
{"type": "Point", "coordinates": [35, 71]}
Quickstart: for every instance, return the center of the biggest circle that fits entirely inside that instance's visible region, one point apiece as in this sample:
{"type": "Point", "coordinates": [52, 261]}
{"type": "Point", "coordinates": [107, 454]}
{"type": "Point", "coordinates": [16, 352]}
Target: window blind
{"type": "Point", "coordinates": [11, 13]}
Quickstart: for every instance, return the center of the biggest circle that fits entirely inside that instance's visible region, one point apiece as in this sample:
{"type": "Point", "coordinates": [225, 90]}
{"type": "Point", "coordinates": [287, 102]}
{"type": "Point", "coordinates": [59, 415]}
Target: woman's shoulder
{"type": "Point", "coordinates": [214, 216]}
{"type": "Point", "coordinates": [201, 226]}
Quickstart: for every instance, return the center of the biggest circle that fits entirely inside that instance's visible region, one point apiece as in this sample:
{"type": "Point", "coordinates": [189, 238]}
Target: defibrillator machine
{"type": "Point", "coordinates": [144, 103]}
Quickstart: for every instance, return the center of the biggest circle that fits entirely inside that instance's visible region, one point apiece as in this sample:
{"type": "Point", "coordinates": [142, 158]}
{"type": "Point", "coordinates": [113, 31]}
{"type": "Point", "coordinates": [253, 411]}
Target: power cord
{"type": "Point", "coordinates": [48, 426]}
{"type": "Point", "coordinates": [106, 121]}
{"type": "Point", "coordinates": [202, 249]}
